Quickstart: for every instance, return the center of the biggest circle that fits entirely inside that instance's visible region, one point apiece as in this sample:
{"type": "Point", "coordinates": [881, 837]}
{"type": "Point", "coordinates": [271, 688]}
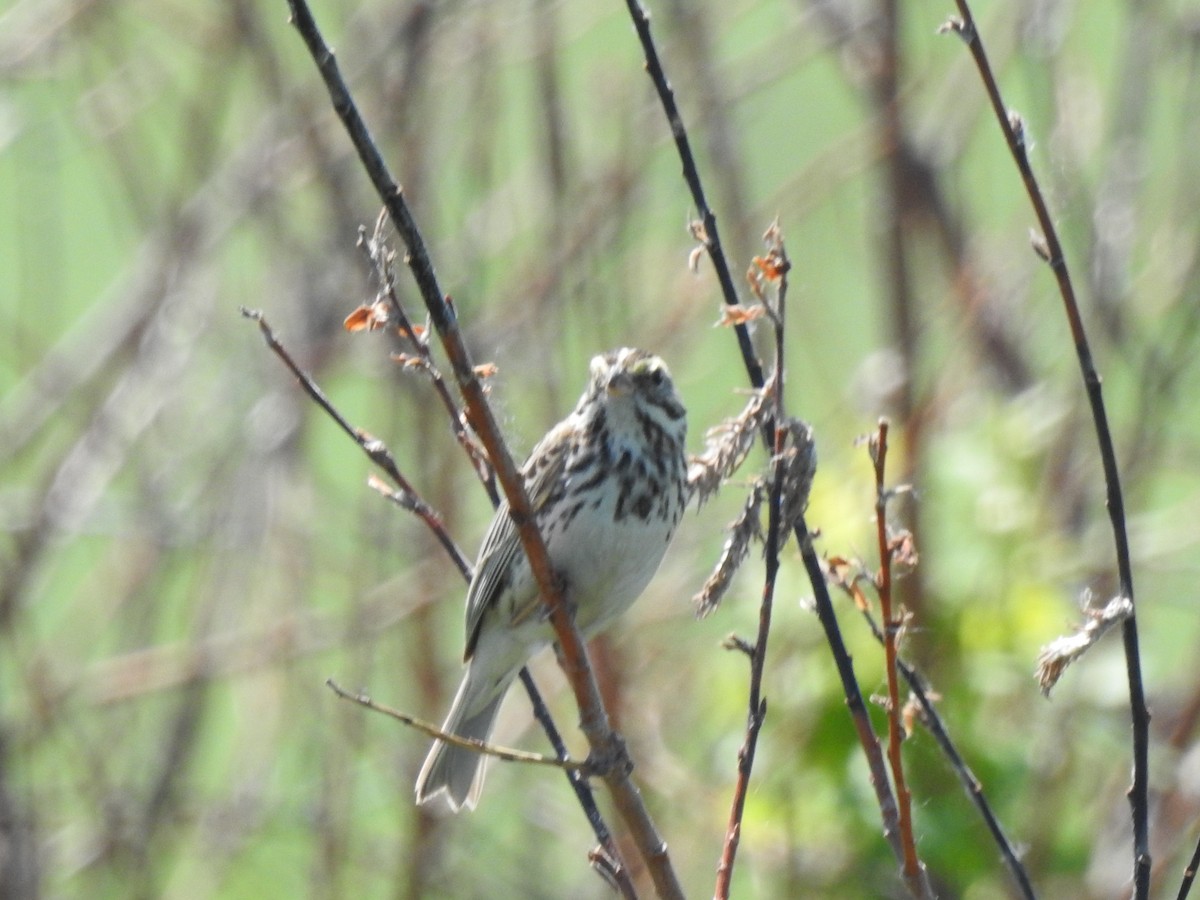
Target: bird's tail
{"type": "Point", "coordinates": [457, 771]}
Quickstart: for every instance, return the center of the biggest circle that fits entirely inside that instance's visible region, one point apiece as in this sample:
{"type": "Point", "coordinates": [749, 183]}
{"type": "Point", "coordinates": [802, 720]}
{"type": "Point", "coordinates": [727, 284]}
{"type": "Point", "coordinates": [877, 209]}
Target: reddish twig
{"type": "Point", "coordinates": [932, 721]}
{"type": "Point", "coordinates": [1050, 249]}
{"type": "Point", "coordinates": [915, 875]}
{"type": "Point", "coordinates": [606, 745]}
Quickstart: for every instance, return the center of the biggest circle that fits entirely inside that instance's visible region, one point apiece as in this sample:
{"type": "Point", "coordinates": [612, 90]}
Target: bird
{"type": "Point", "coordinates": [608, 486]}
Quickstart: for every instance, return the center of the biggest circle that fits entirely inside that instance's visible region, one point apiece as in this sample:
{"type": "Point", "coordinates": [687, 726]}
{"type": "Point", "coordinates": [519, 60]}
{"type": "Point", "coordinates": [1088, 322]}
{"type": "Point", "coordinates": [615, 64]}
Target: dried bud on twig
{"type": "Point", "coordinates": [955, 25]}
{"type": "Point", "coordinates": [799, 461]}
{"type": "Point", "coordinates": [727, 446]}
{"type": "Point", "coordinates": [745, 528]}
{"type": "Point", "coordinates": [368, 317]}
{"type": "Point", "coordinates": [732, 316]}
{"type": "Point", "coordinates": [1061, 652]}
{"type": "Point", "coordinates": [850, 576]}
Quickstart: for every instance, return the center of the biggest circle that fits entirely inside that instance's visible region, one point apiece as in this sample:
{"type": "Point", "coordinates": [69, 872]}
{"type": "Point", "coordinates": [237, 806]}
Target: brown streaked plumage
{"type": "Point", "coordinates": [608, 485]}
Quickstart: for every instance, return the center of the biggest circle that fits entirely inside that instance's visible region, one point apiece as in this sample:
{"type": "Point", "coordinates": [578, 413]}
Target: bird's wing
{"type": "Point", "coordinates": [501, 545]}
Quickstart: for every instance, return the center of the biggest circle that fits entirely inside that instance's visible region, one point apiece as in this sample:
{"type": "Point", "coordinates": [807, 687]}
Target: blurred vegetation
{"type": "Point", "coordinates": [189, 548]}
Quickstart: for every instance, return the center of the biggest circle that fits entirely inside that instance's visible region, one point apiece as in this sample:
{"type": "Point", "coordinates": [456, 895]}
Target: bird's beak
{"type": "Point", "coordinates": [619, 384]}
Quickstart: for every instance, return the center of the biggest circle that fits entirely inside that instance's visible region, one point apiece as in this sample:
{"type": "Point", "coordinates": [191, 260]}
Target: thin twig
{"type": "Point", "coordinates": [615, 865]}
{"type": "Point", "coordinates": [1189, 874]}
{"type": "Point", "coordinates": [605, 743]}
{"type": "Point", "coordinates": [932, 721]}
{"type": "Point", "coordinates": [375, 449]}
{"type": "Point", "coordinates": [412, 503]}
{"type": "Point", "coordinates": [428, 728]}
{"type": "Point", "coordinates": [1050, 248]}
{"type": "Point", "coordinates": [707, 232]}
{"type": "Point", "coordinates": [915, 875]}
{"type": "Point", "coordinates": [381, 256]}
{"type": "Point", "coordinates": [775, 537]}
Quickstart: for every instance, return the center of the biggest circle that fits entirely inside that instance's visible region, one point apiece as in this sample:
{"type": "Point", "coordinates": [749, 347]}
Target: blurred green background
{"type": "Point", "coordinates": [189, 547]}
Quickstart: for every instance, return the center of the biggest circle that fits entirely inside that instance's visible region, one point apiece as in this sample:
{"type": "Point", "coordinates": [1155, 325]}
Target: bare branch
{"type": "Point", "coordinates": [428, 728]}
{"type": "Point", "coordinates": [1050, 249]}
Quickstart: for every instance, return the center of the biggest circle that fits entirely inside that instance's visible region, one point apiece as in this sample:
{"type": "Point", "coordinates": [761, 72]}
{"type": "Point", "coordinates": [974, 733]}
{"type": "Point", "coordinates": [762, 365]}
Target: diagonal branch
{"type": "Point", "coordinates": [606, 744]}
{"type": "Point", "coordinates": [707, 230]}
{"type": "Point", "coordinates": [932, 721]}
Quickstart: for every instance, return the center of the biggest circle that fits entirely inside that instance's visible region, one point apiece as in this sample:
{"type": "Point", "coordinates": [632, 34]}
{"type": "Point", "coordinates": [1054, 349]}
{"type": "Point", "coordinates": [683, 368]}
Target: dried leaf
{"type": "Point", "coordinates": [744, 529]}
{"type": "Point", "coordinates": [773, 236]}
{"type": "Point", "coordinates": [910, 714]}
{"type": "Point", "coordinates": [848, 576]}
{"type": "Point", "coordinates": [1062, 651]}
{"type": "Point", "coordinates": [367, 317]}
{"type": "Point", "coordinates": [739, 315]}
{"type": "Point", "coordinates": [799, 461]}
{"type": "Point", "coordinates": [415, 333]}
{"type": "Point", "coordinates": [771, 266]}
{"type": "Point", "coordinates": [409, 360]}
{"type": "Point", "coordinates": [726, 448]}
{"type": "Point", "coordinates": [904, 549]}
{"type": "Point", "coordinates": [754, 280]}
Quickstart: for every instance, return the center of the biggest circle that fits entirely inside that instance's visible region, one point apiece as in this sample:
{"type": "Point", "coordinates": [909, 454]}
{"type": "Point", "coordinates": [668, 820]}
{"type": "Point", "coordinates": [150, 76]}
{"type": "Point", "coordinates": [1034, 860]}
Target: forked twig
{"type": "Point", "coordinates": [605, 743]}
{"type": "Point", "coordinates": [932, 721]}
{"type": "Point", "coordinates": [380, 255]}
{"type": "Point", "coordinates": [1050, 249]}
{"type": "Point", "coordinates": [375, 449]}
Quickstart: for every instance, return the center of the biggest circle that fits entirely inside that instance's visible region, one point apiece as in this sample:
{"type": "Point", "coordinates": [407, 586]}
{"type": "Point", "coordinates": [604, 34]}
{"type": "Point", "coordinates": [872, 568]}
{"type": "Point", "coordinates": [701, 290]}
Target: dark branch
{"type": "Point", "coordinates": [1052, 252]}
